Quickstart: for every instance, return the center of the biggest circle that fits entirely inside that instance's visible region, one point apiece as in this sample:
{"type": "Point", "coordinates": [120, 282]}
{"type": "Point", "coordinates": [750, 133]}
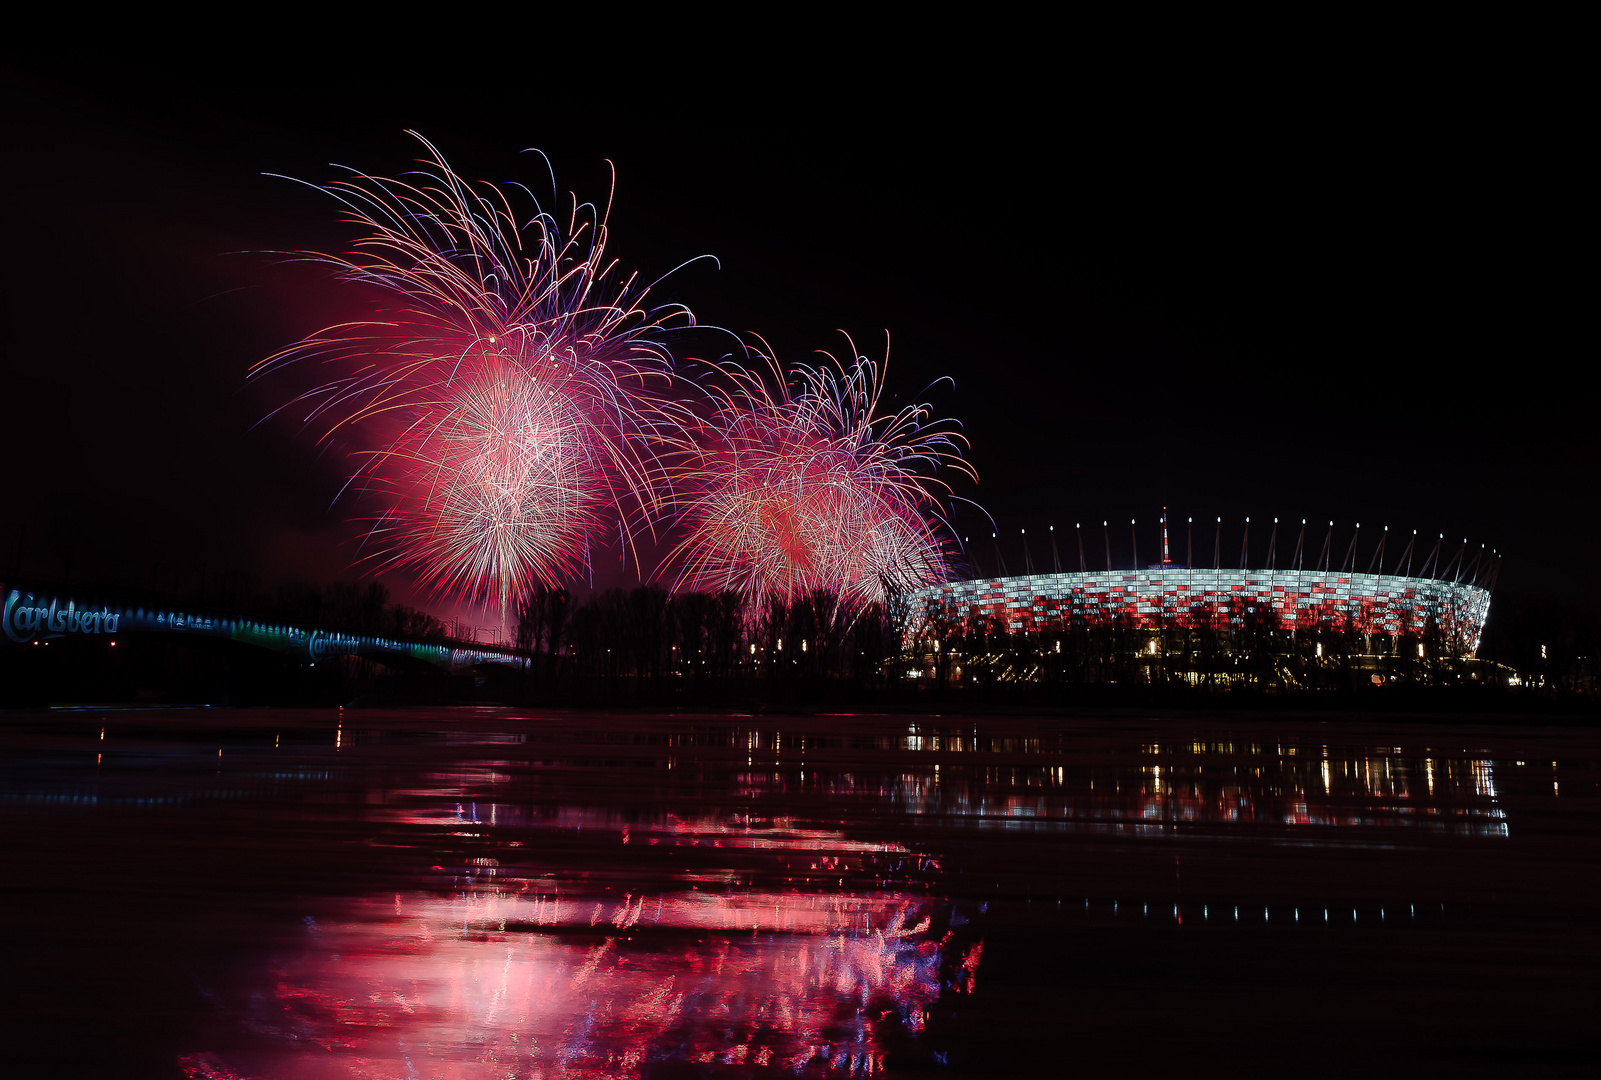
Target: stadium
{"type": "Point", "coordinates": [1179, 611]}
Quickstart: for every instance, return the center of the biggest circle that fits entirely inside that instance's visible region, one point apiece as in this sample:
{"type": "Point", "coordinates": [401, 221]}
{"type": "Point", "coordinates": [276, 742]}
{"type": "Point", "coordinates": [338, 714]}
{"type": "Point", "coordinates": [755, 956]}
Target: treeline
{"type": "Point", "coordinates": [1528, 651]}
{"type": "Point", "coordinates": [715, 646]}
{"type": "Point", "coordinates": [353, 608]}
{"type": "Point", "coordinates": [1553, 646]}
{"type": "Point", "coordinates": [358, 609]}
{"type": "Point", "coordinates": [704, 644]}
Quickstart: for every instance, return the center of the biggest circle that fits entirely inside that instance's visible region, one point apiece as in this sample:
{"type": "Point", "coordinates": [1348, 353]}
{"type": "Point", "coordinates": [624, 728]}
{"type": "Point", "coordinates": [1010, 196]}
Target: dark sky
{"type": "Point", "coordinates": [1335, 289]}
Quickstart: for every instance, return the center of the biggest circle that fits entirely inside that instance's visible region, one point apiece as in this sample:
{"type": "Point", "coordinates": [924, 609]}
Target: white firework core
{"type": "Point", "coordinates": [502, 487]}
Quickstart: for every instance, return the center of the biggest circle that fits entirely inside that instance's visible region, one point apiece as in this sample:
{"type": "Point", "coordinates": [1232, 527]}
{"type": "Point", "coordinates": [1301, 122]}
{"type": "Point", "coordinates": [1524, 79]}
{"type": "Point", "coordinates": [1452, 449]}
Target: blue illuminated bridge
{"type": "Point", "coordinates": [38, 615]}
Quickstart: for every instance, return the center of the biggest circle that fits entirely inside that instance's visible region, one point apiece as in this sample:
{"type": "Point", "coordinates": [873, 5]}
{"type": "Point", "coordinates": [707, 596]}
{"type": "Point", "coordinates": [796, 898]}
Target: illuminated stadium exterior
{"type": "Point", "coordinates": [1169, 596]}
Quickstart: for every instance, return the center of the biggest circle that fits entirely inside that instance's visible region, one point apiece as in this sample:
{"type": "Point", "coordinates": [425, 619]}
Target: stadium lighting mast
{"type": "Point", "coordinates": [1378, 556]}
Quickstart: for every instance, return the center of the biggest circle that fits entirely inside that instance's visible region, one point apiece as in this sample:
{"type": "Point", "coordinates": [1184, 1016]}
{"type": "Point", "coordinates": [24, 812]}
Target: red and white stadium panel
{"type": "Point", "coordinates": [1173, 597]}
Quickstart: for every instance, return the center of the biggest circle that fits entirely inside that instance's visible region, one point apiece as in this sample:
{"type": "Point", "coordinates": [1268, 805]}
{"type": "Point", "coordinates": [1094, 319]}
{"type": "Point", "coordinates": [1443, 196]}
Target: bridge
{"type": "Point", "coordinates": [34, 615]}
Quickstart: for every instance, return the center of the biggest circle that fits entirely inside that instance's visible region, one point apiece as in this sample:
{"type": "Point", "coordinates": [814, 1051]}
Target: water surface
{"type": "Point", "coordinates": [497, 893]}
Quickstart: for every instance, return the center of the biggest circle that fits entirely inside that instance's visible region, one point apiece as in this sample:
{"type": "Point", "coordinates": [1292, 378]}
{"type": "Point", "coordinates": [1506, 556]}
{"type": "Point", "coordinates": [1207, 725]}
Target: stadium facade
{"type": "Point", "coordinates": [1170, 596]}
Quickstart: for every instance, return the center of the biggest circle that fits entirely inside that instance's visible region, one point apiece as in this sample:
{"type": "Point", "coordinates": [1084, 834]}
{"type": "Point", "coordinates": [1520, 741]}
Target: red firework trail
{"type": "Point", "coordinates": [798, 483]}
{"type": "Point", "coordinates": [509, 401]}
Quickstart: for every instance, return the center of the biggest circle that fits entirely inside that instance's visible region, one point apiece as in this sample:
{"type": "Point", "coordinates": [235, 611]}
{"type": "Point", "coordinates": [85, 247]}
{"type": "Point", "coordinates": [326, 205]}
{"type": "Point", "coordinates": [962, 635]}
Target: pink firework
{"type": "Point", "coordinates": [499, 487]}
{"type": "Point", "coordinates": [799, 484]}
{"type": "Point", "coordinates": [507, 402]}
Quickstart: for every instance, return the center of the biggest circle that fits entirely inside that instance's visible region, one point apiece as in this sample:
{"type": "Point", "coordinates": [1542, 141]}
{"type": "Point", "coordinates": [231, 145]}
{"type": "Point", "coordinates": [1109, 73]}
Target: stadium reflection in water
{"type": "Point", "coordinates": [1200, 783]}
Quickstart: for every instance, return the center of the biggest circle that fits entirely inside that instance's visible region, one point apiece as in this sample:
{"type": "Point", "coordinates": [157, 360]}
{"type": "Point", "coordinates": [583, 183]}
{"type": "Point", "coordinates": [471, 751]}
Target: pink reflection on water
{"type": "Point", "coordinates": [424, 806]}
{"type": "Point", "coordinates": [489, 984]}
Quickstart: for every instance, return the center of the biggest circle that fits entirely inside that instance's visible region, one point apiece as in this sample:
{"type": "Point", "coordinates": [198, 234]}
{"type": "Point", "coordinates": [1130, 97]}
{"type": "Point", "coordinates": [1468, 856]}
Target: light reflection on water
{"type": "Point", "coordinates": [489, 983]}
{"type": "Point", "coordinates": [597, 896]}
{"type": "Point", "coordinates": [1201, 783]}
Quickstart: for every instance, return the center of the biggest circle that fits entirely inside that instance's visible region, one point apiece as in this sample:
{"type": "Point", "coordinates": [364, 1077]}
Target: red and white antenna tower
{"type": "Point", "coordinates": [1165, 560]}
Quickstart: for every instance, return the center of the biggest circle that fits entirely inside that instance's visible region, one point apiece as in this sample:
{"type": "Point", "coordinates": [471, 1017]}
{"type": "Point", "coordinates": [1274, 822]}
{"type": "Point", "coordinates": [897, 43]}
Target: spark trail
{"type": "Point", "coordinates": [797, 482]}
{"type": "Point", "coordinates": [505, 408]}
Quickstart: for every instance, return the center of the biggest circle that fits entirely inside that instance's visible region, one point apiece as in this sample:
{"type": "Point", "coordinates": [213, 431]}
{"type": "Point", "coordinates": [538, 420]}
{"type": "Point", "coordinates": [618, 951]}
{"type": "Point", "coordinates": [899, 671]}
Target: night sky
{"type": "Point", "coordinates": [1335, 290]}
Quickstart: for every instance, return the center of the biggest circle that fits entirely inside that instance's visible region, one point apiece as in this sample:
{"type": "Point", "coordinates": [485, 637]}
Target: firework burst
{"type": "Point", "coordinates": [798, 482]}
{"type": "Point", "coordinates": [507, 404]}
{"type": "Point", "coordinates": [497, 488]}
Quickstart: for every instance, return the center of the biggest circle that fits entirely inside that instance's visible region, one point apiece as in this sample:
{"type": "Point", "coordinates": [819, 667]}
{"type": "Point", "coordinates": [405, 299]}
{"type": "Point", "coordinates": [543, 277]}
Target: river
{"type": "Point", "coordinates": [479, 892]}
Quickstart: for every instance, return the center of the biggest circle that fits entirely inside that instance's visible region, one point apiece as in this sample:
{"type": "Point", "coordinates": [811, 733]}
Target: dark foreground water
{"type": "Point", "coordinates": [491, 893]}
